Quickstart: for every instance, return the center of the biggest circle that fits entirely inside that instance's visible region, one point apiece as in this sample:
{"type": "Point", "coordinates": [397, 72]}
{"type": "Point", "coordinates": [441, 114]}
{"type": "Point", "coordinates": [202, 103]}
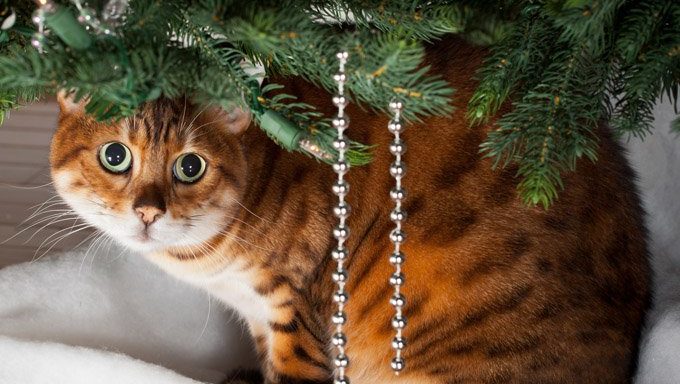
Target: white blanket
{"type": "Point", "coordinates": [113, 303]}
{"type": "Point", "coordinates": [114, 318]}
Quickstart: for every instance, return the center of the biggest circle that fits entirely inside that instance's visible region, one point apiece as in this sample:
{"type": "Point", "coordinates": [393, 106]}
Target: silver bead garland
{"type": "Point", "coordinates": [341, 232]}
{"type": "Point", "coordinates": [40, 36]}
{"type": "Point", "coordinates": [397, 236]}
{"type": "Point", "coordinates": [112, 13]}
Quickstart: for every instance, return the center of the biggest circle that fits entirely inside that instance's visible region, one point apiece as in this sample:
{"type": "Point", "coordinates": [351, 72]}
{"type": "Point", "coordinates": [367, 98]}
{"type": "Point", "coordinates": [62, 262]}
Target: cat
{"type": "Point", "coordinates": [497, 292]}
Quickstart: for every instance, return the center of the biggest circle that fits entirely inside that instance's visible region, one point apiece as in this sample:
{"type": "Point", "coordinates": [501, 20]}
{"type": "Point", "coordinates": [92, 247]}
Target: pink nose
{"type": "Point", "coordinates": [148, 214]}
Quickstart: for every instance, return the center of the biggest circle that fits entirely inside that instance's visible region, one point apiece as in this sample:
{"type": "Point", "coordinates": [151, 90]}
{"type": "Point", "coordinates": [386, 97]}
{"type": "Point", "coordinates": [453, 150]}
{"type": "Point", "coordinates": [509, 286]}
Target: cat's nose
{"type": "Point", "coordinates": [148, 214]}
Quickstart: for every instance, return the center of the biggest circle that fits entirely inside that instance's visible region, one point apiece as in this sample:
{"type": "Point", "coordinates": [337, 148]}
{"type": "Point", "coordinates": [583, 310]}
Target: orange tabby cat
{"type": "Point", "coordinates": [497, 292]}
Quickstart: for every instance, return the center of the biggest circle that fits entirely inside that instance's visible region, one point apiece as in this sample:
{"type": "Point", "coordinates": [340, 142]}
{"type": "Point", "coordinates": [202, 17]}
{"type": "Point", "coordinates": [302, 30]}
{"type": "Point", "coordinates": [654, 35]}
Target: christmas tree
{"type": "Point", "coordinates": [566, 66]}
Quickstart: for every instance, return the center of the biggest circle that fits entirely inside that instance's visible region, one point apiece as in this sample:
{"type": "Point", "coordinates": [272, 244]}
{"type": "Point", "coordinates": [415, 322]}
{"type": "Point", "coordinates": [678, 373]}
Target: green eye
{"type": "Point", "coordinates": [115, 157]}
{"type": "Point", "coordinates": [189, 167]}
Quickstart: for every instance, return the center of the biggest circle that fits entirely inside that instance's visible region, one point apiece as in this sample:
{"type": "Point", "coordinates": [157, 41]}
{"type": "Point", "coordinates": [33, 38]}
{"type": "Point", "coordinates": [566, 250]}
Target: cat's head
{"type": "Point", "coordinates": [171, 176]}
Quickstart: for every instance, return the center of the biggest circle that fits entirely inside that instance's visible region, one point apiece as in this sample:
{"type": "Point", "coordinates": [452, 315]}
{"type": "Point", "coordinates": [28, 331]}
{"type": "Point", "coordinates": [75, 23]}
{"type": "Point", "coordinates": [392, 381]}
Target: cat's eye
{"type": "Point", "coordinates": [189, 167]}
{"type": "Point", "coordinates": [115, 157]}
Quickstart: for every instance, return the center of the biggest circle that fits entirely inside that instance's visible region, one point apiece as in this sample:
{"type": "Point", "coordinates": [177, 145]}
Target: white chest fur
{"type": "Point", "coordinates": [231, 285]}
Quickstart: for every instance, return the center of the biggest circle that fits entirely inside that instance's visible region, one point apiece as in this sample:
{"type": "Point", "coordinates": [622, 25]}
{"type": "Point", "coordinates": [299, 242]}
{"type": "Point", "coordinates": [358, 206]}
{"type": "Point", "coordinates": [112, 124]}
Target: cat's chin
{"type": "Point", "coordinates": [139, 244]}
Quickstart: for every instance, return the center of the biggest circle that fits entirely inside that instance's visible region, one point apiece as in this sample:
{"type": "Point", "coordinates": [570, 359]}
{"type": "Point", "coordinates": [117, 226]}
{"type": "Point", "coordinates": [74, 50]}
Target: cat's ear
{"type": "Point", "coordinates": [236, 119]}
{"type": "Point", "coordinates": [68, 105]}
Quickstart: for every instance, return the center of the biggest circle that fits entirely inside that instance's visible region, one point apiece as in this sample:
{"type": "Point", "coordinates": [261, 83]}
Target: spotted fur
{"type": "Point", "coordinates": [497, 292]}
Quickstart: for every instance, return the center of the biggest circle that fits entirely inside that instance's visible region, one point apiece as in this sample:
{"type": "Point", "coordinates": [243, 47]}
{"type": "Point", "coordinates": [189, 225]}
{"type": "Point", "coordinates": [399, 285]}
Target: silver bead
{"type": "Point", "coordinates": [398, 322]}
{"type": "Point", "coordinates": [38, 16]}
{"type": "Point", "coordinates": [397, 279]}
{"type": "Point", "coordinates": [396, 105]}
{"type": "Point", "coordinates": [398, 194]}
{"type": "Point", "coordinates": [397, 215]}
{"type": "Point", "coordinates": [395, 126]}
{"type": "Point", "coordinates": [340, 144]}
{"type": "Point", "coordinates": [38, 41]}
{"type": "Point", "coordinates": [397, 258]}
{"type": "Point", "coordinates": [342, 210]}
{"type": "Point", "coordinates": [342, 55]}
{"type": "Point", "coordinates": [340, 101]}
{"type": "Point", "coordinates": [339, 339]}
{"type": "Point", "coordinates": [341, 167]}
{"type": "Point", "coordinates": [398, 147]}
{"type": "Point", "coordinates": [339, 254]}
{"type": "Point", "coordinates": [340, 122]}
{"type": "Point", "coordinates": [398, 300]}
{"type": "Point", "coordinates": [340, 77]}
{"type": "Point", "coordinates": [340, 297]}
{"type": "Point", "coordinates": [341, 232]}
{"type": "Point", "coordinates": [398, 343]}
{"type": "Point", "coordinates": [397, 236]}
{"type": "Point", "coordinates": [87, 14]}
{"type": "Point", "coordinates": [397, 170]}
{"type": "Point", "coordinates": [340, 276]}
{"type": "Point", "coordinates": [398, 364]}
{"type": "Point", "coordinates": [341, 361]}
{"type": "Point", "coordinates": [340, 188]}
{"type": "Point", "coordinates": [339, 318]}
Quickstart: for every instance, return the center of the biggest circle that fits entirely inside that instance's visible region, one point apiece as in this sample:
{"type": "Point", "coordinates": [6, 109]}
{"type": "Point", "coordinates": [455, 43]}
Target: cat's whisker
{"type": "Point", "coordinates": [248, 210]}
{"type": "Point", "coordinates": [258, 230]}
{"type": "Point", "coordinates": [90, 236]}
{"type": "Point", "coordinates": [186, 127]}
{"type": "Point", "coordinates": [101, 244]}
{"type": "Point", "coordinates": [59, 235]}
{"type": "Point", "coordinates": [71, 230]}
{"type": "Point", "coordinates": [52, 219]}
{"type": "Point", "coordinates": [45, 205]}
{"type": "Point", "coordinates": [45, 213]}
{"type": "Point", "coordinates": [98, 238]}
{"type": "Point", "coordinates": [184, 111]}
{"type": "Point", "coordinates": [240, 239]}
{"type": "Point", "coordinates": [59, 219]}
{"type": "Point", "coordinates": [207, 320]}
{"type": "Point", "coordinates": [194, 129]}
{"type": "Point", "coordinates": [26, 187]}
{"type": "Point", "coordinates": [54, 196]}
{"type": "Point", "coordinates": [42, 220]}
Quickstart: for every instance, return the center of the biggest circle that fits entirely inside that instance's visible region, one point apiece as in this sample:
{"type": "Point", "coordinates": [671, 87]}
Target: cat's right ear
{"type": "Point", "coordinates": [236, 119]}
{"type": "Point", "coordinates": [68, 105]}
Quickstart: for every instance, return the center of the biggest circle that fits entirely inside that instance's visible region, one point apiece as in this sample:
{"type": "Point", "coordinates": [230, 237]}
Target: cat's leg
{"type": "Point", "coordinates": [297, 354]}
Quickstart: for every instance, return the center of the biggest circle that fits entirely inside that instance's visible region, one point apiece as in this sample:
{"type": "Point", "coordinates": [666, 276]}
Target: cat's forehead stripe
{"type": "Point", "coordinates": [158, 121]}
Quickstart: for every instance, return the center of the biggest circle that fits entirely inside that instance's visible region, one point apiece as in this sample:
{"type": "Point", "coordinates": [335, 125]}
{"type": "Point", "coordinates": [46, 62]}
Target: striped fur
{"type": "Point", "coordinates": [496, 292]}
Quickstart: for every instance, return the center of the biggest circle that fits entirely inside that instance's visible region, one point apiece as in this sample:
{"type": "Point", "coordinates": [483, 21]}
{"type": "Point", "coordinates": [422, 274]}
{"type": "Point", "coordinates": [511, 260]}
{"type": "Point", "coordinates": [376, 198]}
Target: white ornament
{"type": "Point", "coordinates": [9, 20]}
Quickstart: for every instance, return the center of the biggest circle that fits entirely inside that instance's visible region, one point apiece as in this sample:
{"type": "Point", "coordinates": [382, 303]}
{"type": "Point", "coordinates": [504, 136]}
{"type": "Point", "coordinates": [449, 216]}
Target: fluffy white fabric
{"type": "Point", "coordinates": [657, 160]}
{"type": "Point", "coordinates": [29, 362]}
{"type": "Point", "coordinates": [114, 301]}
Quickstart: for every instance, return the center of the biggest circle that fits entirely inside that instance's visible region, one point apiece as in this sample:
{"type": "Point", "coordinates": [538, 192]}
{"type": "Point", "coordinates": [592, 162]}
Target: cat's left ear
{"type": "Point", "coordinates": [236, 119]}
{"type": "Point", "coordinates": [68, 105]}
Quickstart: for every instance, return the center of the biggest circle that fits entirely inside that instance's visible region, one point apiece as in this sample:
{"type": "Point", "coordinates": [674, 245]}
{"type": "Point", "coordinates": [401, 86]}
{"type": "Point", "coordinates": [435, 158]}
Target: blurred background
{"type": "Point", "coordinates": [25, 185]}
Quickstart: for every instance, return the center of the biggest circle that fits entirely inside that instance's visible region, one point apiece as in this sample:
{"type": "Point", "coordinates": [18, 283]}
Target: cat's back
{"type": "Point", "coordinates": [498, 291]}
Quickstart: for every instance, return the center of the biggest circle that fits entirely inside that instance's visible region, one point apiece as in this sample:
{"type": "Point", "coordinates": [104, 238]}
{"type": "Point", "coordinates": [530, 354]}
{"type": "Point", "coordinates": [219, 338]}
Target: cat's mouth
{"type": "Point", "coordinates": [144, 238]}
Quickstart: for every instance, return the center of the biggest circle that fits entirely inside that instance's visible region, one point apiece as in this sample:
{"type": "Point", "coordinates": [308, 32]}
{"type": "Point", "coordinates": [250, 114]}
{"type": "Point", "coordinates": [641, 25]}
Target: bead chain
{"type": "Point", "coordinates": [341, 232]}
{"type": "Point", "coordinates": [397, 236]}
